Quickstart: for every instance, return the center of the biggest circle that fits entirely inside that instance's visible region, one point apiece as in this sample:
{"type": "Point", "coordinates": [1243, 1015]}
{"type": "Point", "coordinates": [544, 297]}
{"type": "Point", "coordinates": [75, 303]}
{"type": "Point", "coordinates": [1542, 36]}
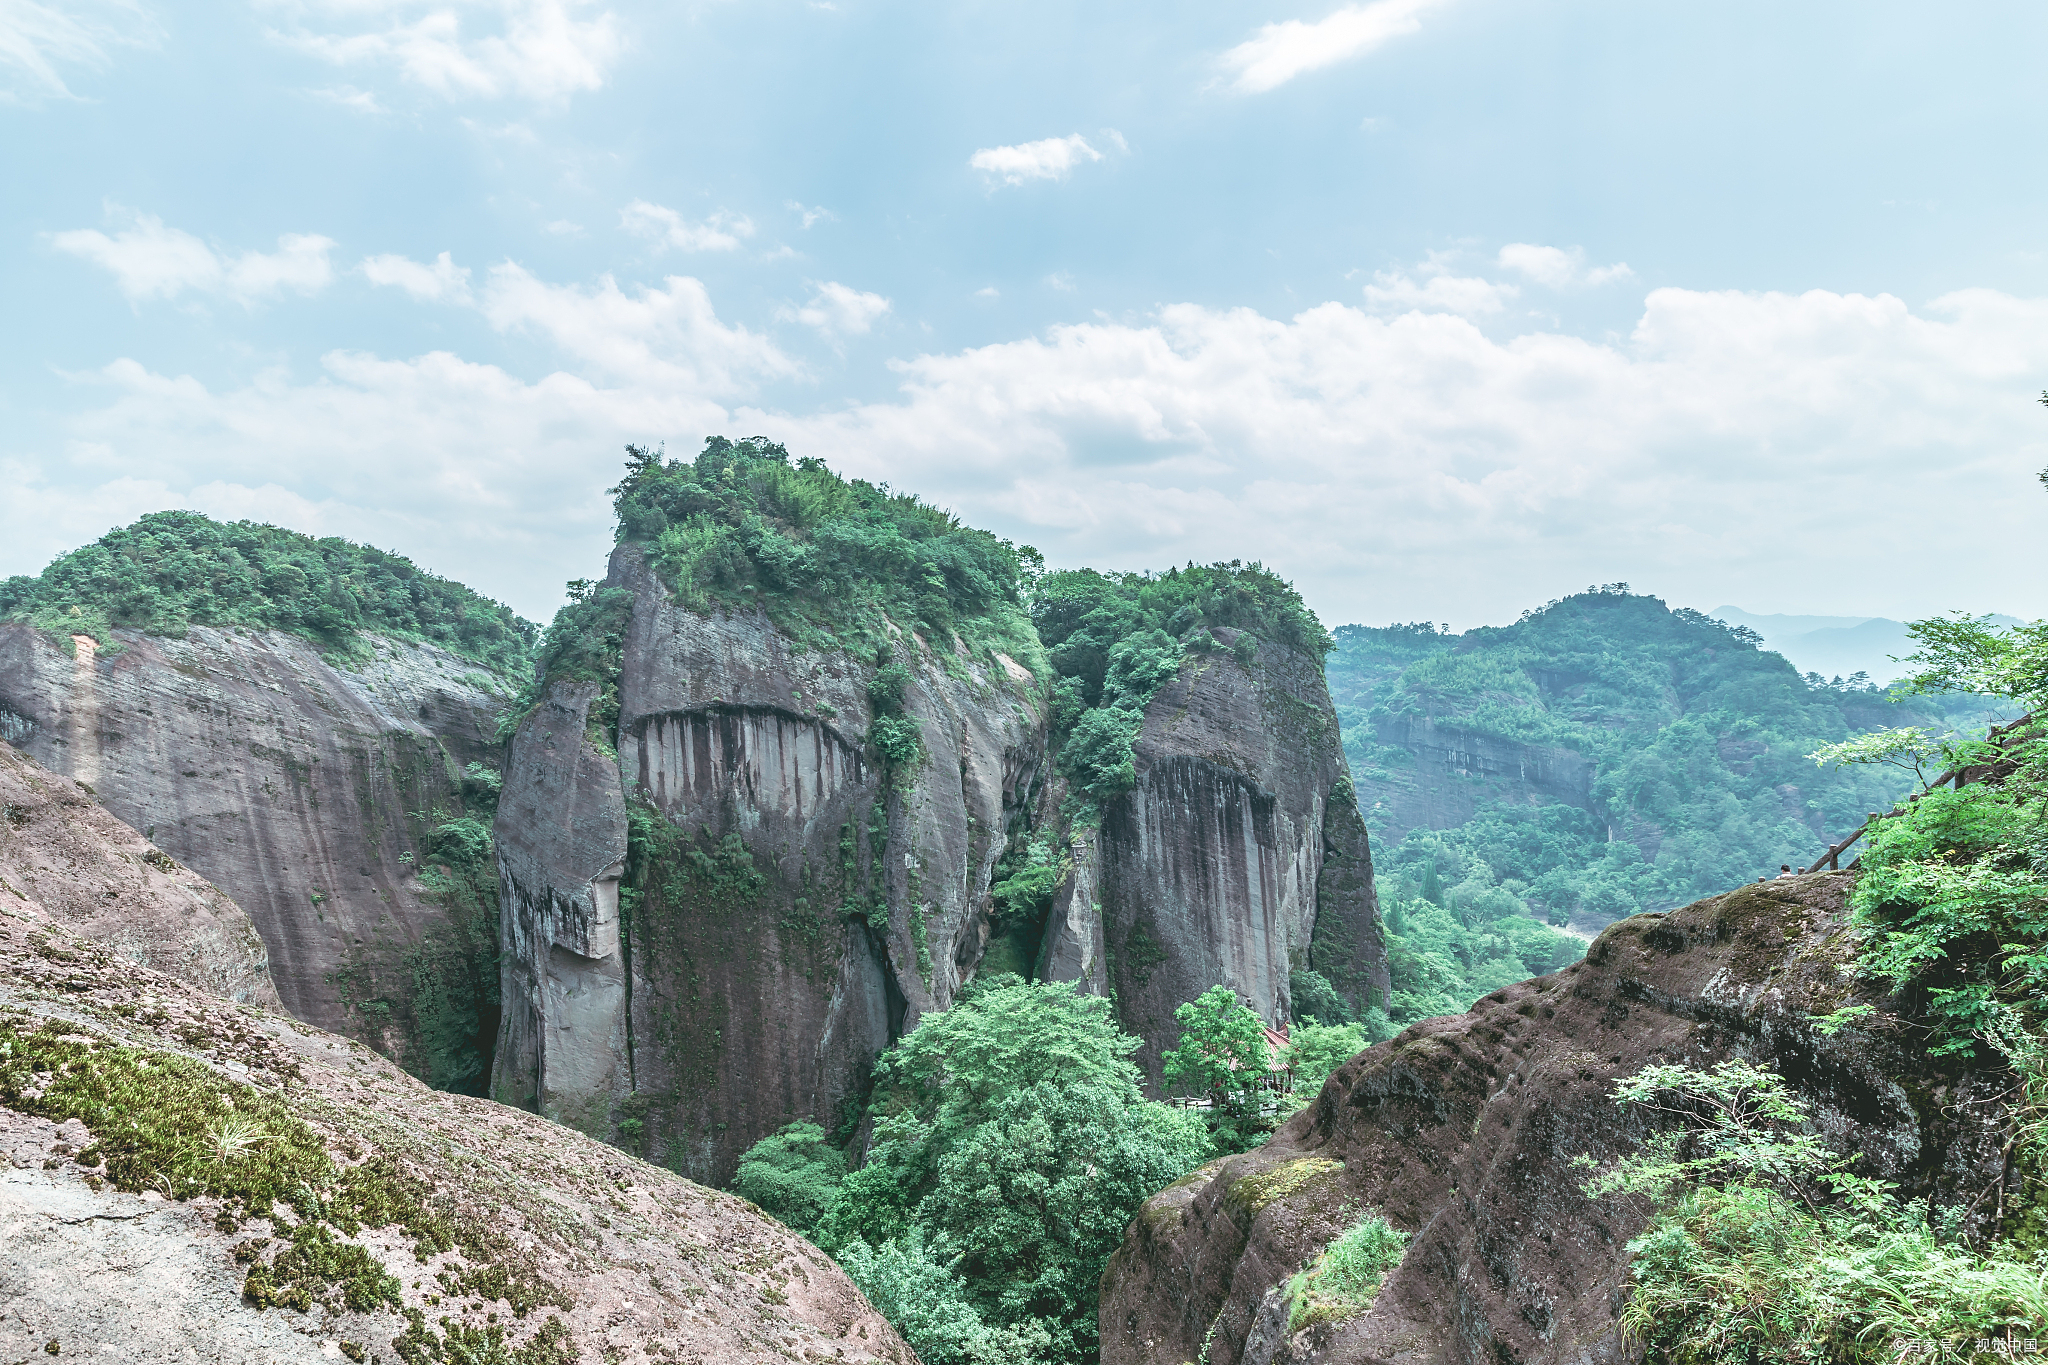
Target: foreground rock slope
{"type": "Point", "coordinates": [1463, 1131]}
{"type": "Point", "coordinates": [60, 850]}
{"type": "Point", "coordinates": [324, 1205]}
{"type": "Point", "coordinates": [308, 789]}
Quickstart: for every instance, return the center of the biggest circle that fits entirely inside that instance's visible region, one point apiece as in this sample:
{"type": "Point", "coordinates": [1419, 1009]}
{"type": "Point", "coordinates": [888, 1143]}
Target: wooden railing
{"type": "Point", "coordinates": [1958, 774]}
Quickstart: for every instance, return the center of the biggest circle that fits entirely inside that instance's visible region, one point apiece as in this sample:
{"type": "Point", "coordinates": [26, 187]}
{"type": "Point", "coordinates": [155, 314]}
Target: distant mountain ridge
{"type": "Point", "coordinates": [1835, 646]}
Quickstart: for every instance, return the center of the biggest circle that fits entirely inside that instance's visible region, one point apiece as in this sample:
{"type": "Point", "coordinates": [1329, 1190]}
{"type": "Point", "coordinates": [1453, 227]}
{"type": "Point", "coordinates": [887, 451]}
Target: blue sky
{"type": "Point", "coordinates": [1440, 307]}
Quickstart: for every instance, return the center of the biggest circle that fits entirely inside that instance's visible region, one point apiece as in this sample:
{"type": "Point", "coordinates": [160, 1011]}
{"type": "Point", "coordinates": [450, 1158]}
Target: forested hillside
{"type": "Point", "coordinates": [1605, 754]}
{"type": "Point", "coordinates": [173, 570]}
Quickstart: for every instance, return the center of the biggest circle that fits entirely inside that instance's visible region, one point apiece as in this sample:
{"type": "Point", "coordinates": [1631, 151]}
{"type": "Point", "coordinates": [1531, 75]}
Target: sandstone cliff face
{"type": "Point", "coordinates": [1462, 1130]}
{"type": "Point", "coordinates": [790, 906]}
{"type": "Point", "coordinates": [479, 1233]}
{"type": "Point", "coordinates": [1238, 857]}
{"type": "Point", "coordinates": [1454, 771]}
{"type": "Point", "coordinates": [303, 789]}
{"type": "Point", "coordinates": [60, 850]}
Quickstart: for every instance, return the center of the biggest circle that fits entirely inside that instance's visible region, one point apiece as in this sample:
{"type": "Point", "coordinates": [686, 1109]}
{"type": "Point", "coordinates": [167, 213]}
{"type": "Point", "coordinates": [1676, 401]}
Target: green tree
{"type": "Point", "coordinates": [1315, 1050]}
{"type": "Point", "coordinates": [793, 1174]}
{"type": "Point", "coordinates": [1222, 1052]}
{"type": "Point", "coordinates": [1012, 1140]}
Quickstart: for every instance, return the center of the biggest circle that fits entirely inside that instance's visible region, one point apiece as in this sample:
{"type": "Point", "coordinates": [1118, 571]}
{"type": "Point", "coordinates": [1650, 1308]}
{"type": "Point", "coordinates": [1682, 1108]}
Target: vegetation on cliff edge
{"type": "Point", "coordinates": [170, 571]}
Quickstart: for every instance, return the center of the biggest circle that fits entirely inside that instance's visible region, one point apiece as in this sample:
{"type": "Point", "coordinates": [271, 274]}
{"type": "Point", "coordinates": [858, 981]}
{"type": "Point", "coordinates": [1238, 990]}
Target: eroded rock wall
{"type": "Point", "coordinates": [1237, 858]}
{"type": "Point", "coordinates": [1463, 1131]}
{"type": "Point", "coordinates": [303, 789]}
{"type": "Point", "coordinates": [790, 905]}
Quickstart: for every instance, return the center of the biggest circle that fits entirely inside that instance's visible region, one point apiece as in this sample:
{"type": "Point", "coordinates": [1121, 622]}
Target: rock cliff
{"type": "Point", "coordinates": [1463, 1130]}
{"type": "Point", "coordinates": [189, 1179]}
{"type": "Point", "coordinates": [60, 850]}
{"type": "Point", "coordinates": [713, 930]}
{"type": "Point", "coordinates": [1238, 857]}
{"type": "Point", "coordinates": [307, 788]}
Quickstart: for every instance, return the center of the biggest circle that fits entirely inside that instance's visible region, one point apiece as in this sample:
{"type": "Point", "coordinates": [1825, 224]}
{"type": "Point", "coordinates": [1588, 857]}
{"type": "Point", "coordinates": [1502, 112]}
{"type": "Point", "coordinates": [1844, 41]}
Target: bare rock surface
{"type": "Point", "coordinates": [1238, 857]}
{"type": "Point", "coordinates": [1463, 1130]}
{"type": "Point", "coordinates": [795, 911]}
{"type": "Point", "coordinates": [302, 787]}
{"type": "Point", "coordinates": [61, 850]}
{"type": "Point", "coordinates": [555, 1248]}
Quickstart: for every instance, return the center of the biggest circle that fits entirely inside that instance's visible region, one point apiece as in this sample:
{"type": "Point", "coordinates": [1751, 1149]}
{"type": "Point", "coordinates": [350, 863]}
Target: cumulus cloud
{"type": "Point", "coordinates": [1758, 448]}
{"type": "Point", "coordinates": [349, 98]}
{"type": "Point", "coordinates": [811, 216]}
{"type": "Point", "coordinates": [840, 310]}
{"type": "Point", "coordinates": [1049, 158]}
{"type": "Point", "coordinates": [151, 261]}
{"type": "Point", "coordinates": [534, 49]}
{"type": "Point", "coordinates": [1280, 52]}
{"type": "Point", "coordinates": [666, 338]}
{"type": "Point", "coordinates": [442, 281]}
{"type": "Point", "coordinates": [37, 41]}
{"type": "Point", "coordinates": [1558, 269]}
{"type": "Point", "coordinates": [722, 231]}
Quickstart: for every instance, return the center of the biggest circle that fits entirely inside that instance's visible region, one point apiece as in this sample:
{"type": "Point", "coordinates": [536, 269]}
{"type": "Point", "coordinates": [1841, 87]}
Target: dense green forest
{"type": "Point", "coordinates": [173, 570]}
{"type": "Point", "coordinates": [1694, 744]}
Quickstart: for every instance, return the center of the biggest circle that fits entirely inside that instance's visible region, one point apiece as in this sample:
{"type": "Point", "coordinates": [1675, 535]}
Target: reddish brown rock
{"type": "Point", "coordinates": [1463, 1131]}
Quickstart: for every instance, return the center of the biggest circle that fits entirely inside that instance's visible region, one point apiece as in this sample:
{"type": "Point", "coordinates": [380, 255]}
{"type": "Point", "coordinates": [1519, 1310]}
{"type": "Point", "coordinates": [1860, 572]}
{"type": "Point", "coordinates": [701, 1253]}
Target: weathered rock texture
{"type": "Point", "coordinates": [61, 850]}
{"type": "Point", "coordinates": [1238, 857]}
{"type": "Point", "coordinates": [791, 907]}
{"type": "Point", "coordinates": [1463, 1129]}
{"type": "Point", "coordinates": [303, 789]}
{"type": "Point", "coordinates": [637, 1264]}
{"type": "Point", "coordinates": [1454, 771]}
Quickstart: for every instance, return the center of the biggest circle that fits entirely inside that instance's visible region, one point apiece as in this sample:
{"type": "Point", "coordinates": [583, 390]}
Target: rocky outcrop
{"type": "Point", "coordinates": [306, 788]}
{"type": "Point", "coordinates": [1452, 772]}
{"type": "Point", "coordinates": [415, 1225]}
{"type": "Point", "coordinates": [60, 850]}
{"type": "Point", "coordinates": [1238, 857]}
{"type": "Point", "coordinates": [790, 903]}
{"type": "Point", "coordinates": [1463, 1131]}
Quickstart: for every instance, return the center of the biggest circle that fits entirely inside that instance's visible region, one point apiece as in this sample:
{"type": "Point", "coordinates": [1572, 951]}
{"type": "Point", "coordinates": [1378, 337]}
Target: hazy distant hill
{"type": "Point", "coordinates": [1835, 646]}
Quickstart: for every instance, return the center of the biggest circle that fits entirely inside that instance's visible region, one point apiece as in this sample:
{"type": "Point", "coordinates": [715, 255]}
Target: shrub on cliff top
{"type": "Point", "coordinates": [173, 570]}
{"type": "Point", "coordinates": [825, 556]}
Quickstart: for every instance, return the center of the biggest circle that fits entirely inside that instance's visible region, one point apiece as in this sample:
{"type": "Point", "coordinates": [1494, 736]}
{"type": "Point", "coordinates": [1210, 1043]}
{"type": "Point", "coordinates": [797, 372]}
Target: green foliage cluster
{"type": "Point", "coordinates": [1114, 639]}
{"type": "Point", "coordinates": [173, 570]}
{"type": "Point", "coordinates": [1221, 1054]}
{"type": "Point", "coordinates": [1693, 733]}
{"type": "Point", "coordinates": [1011, 1146]}
{"type": "Point", "coordinates": [1766, 1247]}
{"type": "Point", "coordinates": [1315, 1050]}
{"type": "Point", "coordinates": [454, 987]}
{"type": "Point", "coordinates": [827, 557]}
{"type": "Point", "coordinates": [1698, 744]}
{"type": "Point", "coordinates": [793, 1175]}
{"type": "Point", "coordinates": [583, 644]}
{"type": "Point", "coordinates": [1456, 933]}
{"type": "Point", "coordinates": [1342, 1281]}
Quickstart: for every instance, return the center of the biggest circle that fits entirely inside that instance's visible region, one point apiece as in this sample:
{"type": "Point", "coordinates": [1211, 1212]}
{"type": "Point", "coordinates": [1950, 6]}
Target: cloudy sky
{"type": "Point", "coordinates": [1439, 307]}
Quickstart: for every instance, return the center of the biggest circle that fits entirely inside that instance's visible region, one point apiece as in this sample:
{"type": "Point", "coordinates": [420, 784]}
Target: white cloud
{"type": "Point", "coordinates": [1558, 269]}
{"type": "Point", "coordinates": [722, 231]}
{"type": "Point", "coordinates": [988, 291]}
{"type": "Point", "coordinates": [840, 310]}
{"type": "Point", "coordinates": [668, 338]}
{"type": "Point", "coordinates": [1061, 280]}
{"type": "Point", "coordinates": [443, 280]}
{"type": "Point", "coordinates": [1047, 159]}
{"type": "Point", "coordinates": [535, 49]}
{"type": "Point", "coordinates": [1758, 448]}
{"type": "Point", "coordinates": [36, 40]}
{"type": "Point", "coordinates": [811, 216]}
{"type": "Point", "coordinates": [1280, 52]}
{"type": "Point", "coordinates": [149, 260]}
{"type": "Point", "coordinates": [350, 98]}
{"type": "Point", "coordinates": [1465, 295]}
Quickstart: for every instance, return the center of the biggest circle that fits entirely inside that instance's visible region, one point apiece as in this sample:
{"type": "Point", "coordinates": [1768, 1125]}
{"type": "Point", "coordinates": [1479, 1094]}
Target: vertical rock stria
{"type": "Point", "coordinates": [304, 788]}
{"type": "Point", "coordinates": [1238, 857]}
{"type": "Point", "coordinates": [791, 903]}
